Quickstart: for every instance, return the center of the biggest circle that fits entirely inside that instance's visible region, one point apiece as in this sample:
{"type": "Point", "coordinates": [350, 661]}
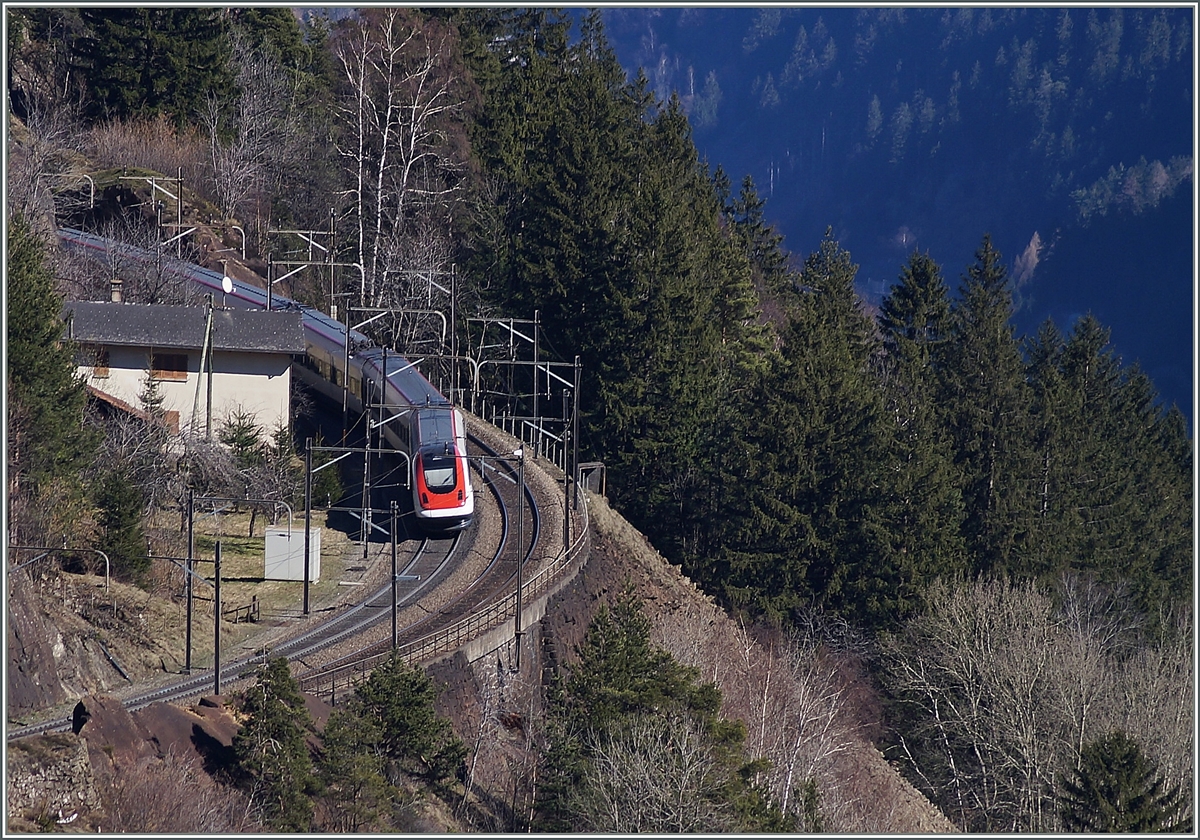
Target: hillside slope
{"type": "Point", "coordinates": [860, 790]}
{"type": "Point", "coordinates": [496, 709]}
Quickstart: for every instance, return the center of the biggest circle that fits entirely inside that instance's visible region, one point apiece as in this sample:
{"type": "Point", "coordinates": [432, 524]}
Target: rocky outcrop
{"type": "Point", "coordinates": [33, 681]}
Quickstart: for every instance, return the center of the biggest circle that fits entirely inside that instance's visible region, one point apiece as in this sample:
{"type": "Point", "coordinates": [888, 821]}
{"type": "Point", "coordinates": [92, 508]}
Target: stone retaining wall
{"type": "Point", "coordinates": [50, 775]}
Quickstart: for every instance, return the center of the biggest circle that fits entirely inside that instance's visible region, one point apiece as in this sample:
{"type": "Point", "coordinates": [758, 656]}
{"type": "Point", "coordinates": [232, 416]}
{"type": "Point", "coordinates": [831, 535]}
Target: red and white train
{"type": "Point", "coordinates": [429, 428]}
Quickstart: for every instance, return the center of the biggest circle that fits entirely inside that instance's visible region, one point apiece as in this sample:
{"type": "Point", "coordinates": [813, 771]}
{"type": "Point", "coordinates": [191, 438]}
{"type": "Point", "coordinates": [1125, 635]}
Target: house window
{"type": "Point", "coordinates": [99, 362]}
{"type": "Point", "coordinates": [94, 357]}
{"type": "Point", "coordinates": [169, 366]}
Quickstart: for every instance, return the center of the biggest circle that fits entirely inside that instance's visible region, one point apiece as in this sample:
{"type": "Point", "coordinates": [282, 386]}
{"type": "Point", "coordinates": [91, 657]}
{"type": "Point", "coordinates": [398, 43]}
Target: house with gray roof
{"type": "Point", "coordinates": [206, 363]}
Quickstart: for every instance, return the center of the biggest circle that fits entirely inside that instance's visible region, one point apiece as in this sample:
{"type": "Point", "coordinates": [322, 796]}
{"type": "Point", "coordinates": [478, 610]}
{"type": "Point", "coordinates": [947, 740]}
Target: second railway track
{"type": "Point", "coordinates": [466, 586]}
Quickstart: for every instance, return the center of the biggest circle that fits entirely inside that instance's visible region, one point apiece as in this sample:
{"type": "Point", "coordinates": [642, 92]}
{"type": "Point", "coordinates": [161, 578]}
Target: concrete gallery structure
{"type": "Point", "coordinates": [205, 362]}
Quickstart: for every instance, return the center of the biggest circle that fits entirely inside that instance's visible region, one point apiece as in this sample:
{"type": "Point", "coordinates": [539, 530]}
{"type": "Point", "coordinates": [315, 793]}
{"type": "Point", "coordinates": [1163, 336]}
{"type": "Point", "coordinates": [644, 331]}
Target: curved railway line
{"type": "Point", "coordinates": [466, 589]}
{"type": "Point", "coordinates": [447, 593]}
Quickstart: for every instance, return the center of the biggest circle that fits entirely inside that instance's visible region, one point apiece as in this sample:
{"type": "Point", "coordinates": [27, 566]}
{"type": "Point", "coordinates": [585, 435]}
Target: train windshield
{"type": "Point", "coordinates": [438, 470]}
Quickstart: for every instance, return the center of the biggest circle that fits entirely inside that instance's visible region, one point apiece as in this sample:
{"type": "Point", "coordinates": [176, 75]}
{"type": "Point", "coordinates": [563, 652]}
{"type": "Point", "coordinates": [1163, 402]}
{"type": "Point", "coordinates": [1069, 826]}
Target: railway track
{"type": "Point", "coordinates": [463, 587]}
{"type": "Point", "coordinates": [498, 575]}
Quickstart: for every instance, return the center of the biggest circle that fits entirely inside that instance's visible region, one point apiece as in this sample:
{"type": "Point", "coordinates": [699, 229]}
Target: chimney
{"type": "Point", "coordinates": [116, 289]}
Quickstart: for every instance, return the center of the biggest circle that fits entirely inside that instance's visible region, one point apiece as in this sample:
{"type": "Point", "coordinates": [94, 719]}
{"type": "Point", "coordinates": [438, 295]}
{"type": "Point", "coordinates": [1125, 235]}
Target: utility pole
{"type": "Point", "coordinates": [395, 631]}
{"type": "Point", "coordinates": [191, 564]}
{"type": "Point", "coordinates": [396, 577]}
{"type": "Point", "coordinates": [575, 436]}
{"type": "Point", "coordinates": [454, 335]}
{"type": "Point", "coordinates": [520, 545]}
{"type": "Point", "coordinates": [537, 439]}
{"type": "Point", "coordinates": [217, 621]}
{"type": "Point", "coordinates": [307, 513]}
{"type": "Point", "coordinates": [368, 386]}
{"type": "Point", "coordinates": [208, 398]}
{"type": "Point", "coordinates": [346, 381]}
{"type": "Point", "coordinates": [332, 251]}
{"type": "Point", "coordinates": [566, 477]}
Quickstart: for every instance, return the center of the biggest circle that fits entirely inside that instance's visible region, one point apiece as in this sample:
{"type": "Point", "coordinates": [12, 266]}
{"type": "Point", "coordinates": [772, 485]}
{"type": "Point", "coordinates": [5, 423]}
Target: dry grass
{"type": "Point", "coordinates": [152, 144]}
{"type": "Point", "coordinates": [144, 631]}
{"type": "Point", "coordinates": [242, 582]}
{"type": "Point", "coordinates": [146, 799]}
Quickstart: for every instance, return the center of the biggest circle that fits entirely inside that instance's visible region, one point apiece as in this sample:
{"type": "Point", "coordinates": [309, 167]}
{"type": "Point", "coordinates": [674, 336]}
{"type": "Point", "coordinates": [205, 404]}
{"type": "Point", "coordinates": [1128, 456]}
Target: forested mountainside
{"type": "Point", "coordinates": [912, 471]}
{"type": "Point", "coordinates": [1067, 133]}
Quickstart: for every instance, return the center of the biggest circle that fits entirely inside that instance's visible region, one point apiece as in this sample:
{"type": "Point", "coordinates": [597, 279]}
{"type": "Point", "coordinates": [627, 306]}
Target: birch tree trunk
{"type": "Point", "coordinates": [400, 118]}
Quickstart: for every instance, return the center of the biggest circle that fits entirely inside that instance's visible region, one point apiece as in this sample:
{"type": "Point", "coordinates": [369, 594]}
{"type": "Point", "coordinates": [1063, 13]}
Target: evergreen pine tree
{"type": "Point", "coordinates": [762, 243]}
{"type": "Point", "coordinates": [986, 399]}
{"type": "Point", "coordinates": [276, 30]}
{"type": "Point", "coordinates": [148, 61]}
{"type": "Point", "coordinates": [47, 439]}
{"type": "Point", "coordinates": [620, 673]}
{"type": "Point", "coordinates": [1055, 522]}
{"type": "Point", "coordinates": [242, 434]}
{"type": "Point", "coordinates": [807, 523]}
{"type": "Point", "coordinates": [1170, 525]}
{"type": "Point", "coordinates": [614, 236]}
{"type": "Point", "coordinates": [122, 538]}
{"type": "Point", "coordinates": [151, 397]}
{"type": "Point", "coordinates": [273, 763]}
{"type": "Point", "coordinates": [1106, 486]}
{"type": "Point", "coordinates": [398, 701]}
{"type": "Point", "coordinates": [919, 523]}
{"type": "Point", "coordinates": [327, 484]}
{"type": "Point", "coordinates": [352, 773]}
{"type": "Point", "coordinates": [48, 442]}
{"type": "Point", "coordinates": [1117, 789]}
{"type": "Point", "coordinates": [1156, 497]}
{"type": "Point", "coordinates": [915, 318]}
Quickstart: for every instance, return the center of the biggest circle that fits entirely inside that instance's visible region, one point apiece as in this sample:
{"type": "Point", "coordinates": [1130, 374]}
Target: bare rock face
{"type": "Point", "coordinates": [72, 635]}
{"type": "Point", "coordinates": [54, 654]}
{"type": "Point", "coordinates": [33, 681]}
{"type": "Point", "coordinates": [119, 739]}
{"type": "Point", "coordinates": [62, 779]}
{"type": "Point", "coordinates": [115, 740]}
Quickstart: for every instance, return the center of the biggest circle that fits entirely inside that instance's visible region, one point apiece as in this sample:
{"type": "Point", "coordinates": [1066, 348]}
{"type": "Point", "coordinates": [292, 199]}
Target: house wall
{"type": "Point", "coordinates": [258, 383]}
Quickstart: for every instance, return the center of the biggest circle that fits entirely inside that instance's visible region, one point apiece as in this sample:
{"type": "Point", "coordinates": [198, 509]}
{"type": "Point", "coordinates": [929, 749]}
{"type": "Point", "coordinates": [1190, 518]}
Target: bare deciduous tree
{"type": "Point", "coordinates": [1003, 685]}
{"type": "Point", "coordinates": [784, 690]}
{"type": "Point", "coordinates": [45, 177]}
{"type": "Point", "coordinates": [249, 142]}
{"type": "Point", "coordinates": [401, 119]}
{"type": "Point", "coordinates": [1095, 625]}
{"type": "Point", "coordinates": [1155, 683]}
{"type": "Point", "coordinates": [951, 670]}
{"type": "Point", "coordinates": [173, 795]}
{"type": "Point", "coordinates": [659, 776]}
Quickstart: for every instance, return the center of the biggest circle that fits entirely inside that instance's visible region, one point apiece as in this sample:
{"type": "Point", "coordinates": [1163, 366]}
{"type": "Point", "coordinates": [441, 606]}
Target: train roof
{"type": "Point", "coordinates": [404, 375]}
{"type": "Point", "coordinates": [410, 382]}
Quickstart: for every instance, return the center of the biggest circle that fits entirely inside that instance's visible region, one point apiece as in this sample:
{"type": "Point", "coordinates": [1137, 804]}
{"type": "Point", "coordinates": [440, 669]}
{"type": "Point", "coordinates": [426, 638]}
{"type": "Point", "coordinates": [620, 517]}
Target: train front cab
{"type": "Point", "coordinates": [442, 496]}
